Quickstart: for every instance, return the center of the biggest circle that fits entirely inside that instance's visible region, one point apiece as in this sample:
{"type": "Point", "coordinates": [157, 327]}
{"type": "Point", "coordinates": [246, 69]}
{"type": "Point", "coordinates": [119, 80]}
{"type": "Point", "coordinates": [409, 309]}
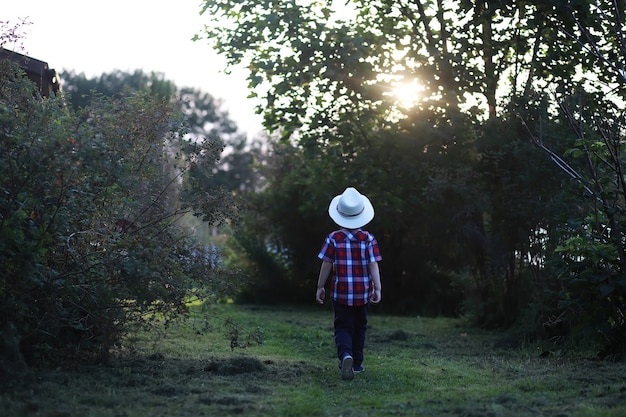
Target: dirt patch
{"type": "Point", "coordinates": [399, 335]}
{"type": "Point", "coordinates": [235, 366]}
{"type": "Point", "coordinates": [168, 391]}
{"type": "Point", "coordinates": [402, 338]}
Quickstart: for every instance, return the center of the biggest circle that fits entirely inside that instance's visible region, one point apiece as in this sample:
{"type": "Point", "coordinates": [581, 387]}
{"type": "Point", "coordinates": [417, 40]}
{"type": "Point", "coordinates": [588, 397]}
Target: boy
{"type": "Point", "coordinates": [352, 255]}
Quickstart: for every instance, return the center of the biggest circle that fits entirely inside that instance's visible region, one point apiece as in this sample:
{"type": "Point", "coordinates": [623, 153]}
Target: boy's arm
{"type": "Point", "coordinates": [321, 281]}
{"type": "Point", "coordinates": [375, 275]}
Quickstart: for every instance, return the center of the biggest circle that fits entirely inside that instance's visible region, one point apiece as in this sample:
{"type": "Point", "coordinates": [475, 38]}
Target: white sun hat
{"type": "Point", "coordinates": [351, 209]}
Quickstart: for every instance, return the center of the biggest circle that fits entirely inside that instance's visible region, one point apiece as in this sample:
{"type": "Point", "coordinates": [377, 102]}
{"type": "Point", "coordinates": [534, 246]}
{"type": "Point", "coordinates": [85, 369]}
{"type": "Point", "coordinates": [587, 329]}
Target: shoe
{"type": "Point", "coordinates": [347, 372]}
{"type": "Point", "coordinates": [357, 369]}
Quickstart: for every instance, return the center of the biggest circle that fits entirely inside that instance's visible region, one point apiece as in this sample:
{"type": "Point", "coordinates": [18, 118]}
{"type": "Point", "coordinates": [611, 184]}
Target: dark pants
{"type": "Point", "coordinates": [350, 329]}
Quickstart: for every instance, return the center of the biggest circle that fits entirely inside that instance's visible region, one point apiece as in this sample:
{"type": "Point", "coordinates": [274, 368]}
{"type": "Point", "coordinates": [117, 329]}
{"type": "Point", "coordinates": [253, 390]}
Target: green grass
{"type": "Point", "coordinates": [414, 367]}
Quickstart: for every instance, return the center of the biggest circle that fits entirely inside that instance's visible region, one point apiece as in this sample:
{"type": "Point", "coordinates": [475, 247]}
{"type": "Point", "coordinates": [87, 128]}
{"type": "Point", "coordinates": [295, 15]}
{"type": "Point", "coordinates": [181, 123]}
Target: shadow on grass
{"type": "Point", "coordinates": [153, 385]}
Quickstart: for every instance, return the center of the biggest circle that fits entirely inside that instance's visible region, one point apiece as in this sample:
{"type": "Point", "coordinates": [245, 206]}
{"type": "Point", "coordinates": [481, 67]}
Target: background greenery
{"type": "Point", "coordinates": [499, 191]}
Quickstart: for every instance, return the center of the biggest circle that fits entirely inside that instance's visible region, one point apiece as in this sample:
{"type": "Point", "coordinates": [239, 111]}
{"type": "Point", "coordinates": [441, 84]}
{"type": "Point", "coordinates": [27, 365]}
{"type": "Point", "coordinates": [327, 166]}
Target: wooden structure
{"type": "Point", "coordinates": [46, 79]}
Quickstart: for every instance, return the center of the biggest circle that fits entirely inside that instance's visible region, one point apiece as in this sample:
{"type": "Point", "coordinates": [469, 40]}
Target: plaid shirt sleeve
{"type": "Point", "coordinates": [327, 253]}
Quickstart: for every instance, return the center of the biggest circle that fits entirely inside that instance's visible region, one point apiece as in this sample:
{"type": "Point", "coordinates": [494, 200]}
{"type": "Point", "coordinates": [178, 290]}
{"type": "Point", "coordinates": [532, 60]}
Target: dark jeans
{"type": "Point", "coordinates": [350, 329]}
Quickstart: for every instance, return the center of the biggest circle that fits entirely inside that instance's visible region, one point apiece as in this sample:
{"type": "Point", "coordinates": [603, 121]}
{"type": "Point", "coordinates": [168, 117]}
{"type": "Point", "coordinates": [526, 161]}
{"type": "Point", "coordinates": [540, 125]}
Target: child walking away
{"type": "Point", "coordinates": [351, 256]}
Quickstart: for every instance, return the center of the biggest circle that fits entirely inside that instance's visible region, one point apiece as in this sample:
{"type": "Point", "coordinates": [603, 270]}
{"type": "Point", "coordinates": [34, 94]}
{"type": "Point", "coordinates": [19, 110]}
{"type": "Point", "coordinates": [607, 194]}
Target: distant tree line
{"type": "Point", "coordinates": [203, 114]}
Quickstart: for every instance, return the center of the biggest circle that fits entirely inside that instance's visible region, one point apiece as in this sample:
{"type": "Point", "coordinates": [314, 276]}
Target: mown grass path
{"type": "Point", "coordinates": [414, 367]}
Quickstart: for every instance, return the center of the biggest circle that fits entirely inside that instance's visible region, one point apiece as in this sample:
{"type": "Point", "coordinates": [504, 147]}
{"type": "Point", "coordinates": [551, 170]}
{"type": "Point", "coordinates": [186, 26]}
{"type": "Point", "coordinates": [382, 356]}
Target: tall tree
{"type": "Point", "coordinates": [590, 256]}
{"type": "Point", "coordinates": [313, 59]}
{"type": "Point", "coordinates": [203, 114]}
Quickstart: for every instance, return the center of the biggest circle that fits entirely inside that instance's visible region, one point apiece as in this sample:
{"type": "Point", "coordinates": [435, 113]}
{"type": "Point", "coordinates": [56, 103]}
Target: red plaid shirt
{"type": "Point", "coordinates": [350, 251]}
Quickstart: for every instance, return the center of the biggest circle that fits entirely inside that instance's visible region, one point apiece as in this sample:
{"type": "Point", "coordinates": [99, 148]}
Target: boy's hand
{"type": "Point", "coordinates": [320, 295]}
{"type": "Point", "coordinates": [376, 295]}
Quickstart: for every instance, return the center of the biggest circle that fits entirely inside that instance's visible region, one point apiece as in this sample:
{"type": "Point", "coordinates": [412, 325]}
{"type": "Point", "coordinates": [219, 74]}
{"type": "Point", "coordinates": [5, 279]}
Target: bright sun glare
{"type": "Point", "coordinates": [406, 94]}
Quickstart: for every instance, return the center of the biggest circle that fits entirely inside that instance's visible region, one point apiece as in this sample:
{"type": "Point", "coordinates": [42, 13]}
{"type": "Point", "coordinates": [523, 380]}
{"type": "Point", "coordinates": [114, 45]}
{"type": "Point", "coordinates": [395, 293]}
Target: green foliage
{"type": "Point", "coordinates": [589, 257]}
{"type": "Point", "coordinates": [467, 212]}
{"type": "Point", "coordinates": [203, 114]}
{"type": "Point", "coordinates": [507, 226]}
{"type": "Point", "coordinates": [315, 62]}
{"type": "Point", "coordinates": [327, 81]}
{"type": "Point", "coordinates": [591, 253]}
{"type": "Point", "coordinates": [80, 89]}
{"type": "Point", "coordinates": [89, 210]}
{"type": "Point", "coordinates": [229, 163]}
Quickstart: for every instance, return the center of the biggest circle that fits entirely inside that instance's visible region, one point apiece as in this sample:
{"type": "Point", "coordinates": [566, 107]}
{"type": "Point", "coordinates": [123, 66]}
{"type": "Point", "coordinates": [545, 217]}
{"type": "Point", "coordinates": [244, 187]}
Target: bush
{"type": "Point", "coordinates": [89, 207]}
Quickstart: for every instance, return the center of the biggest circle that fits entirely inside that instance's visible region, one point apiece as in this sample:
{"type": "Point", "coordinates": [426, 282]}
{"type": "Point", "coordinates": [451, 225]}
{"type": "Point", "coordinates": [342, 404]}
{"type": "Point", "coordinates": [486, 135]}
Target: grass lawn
{"type": "Point", "coordinates": [414, 367]}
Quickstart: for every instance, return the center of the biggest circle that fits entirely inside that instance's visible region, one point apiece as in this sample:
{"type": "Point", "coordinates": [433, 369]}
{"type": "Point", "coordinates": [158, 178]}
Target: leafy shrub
{"type": "Point", "coordinates": [590, 258]}
{"type": "Point", "coordinates": [89, 210]}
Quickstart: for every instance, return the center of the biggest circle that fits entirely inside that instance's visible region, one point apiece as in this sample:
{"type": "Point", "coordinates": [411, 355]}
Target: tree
{"type": "Point", "coordinates": [203, 114]}
{"type": "Point", "coordinates": [590, 257]}
{"type": "Point", "coordinates": [312, 61]}
{"type": "Point", "coordinates": [328, 83]}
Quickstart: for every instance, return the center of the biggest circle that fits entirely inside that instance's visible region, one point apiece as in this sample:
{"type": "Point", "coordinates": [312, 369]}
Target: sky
{"type": "Point", "coordinates": [152, 35]}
